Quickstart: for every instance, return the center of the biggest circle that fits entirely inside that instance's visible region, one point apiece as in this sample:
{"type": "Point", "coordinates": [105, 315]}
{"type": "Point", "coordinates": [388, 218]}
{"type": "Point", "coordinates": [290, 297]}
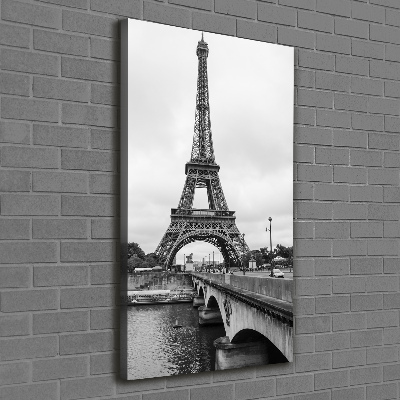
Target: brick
{"type": "Point", "coordinates": [381, 284]}
{"type": "Point", "coordinates": [179, 17]}
{"type": "Point", "coordinates": [382, 392]}
{"type": "Point", "coordinates": [69, 3]}
{"type": "Point", "coordinates": [386, 70]}
{"type": "Point", "coordinates": [64, 367]}
{"type": "Point", "coordinates": [89, 115]}
{"type": "Point", "coordinates": [385, 34]}
{"type": "Point", "coordinates": [349, 358]}
{"type": "Point", "coordinates": [332, 230]}
{"type": "Point", "coordinates": [351, 28]}
{"type": "Point", "coordinates": [125, 8]}
{"type": "Point", "coordinates": [349, 211]}
{"type": "Point", "coordinates": [334, 119]}
{"type": "Point", "coordinates": [28, 157]}
{"type": "Point", "coordinates": [313, 173]}
{"type": "Point", "coordinates": [104, 363]}
{"type": "Point", "coordinates": [386, 212]}
{"type": "Point", "coordinates": [340, 7]}
{"type": "Point", "coordinates": [332, 266]}
{"type": "Point", "coordinates": [332, 341]}
{"type": "Point", "coordinates": [348, 284]}
{"type": "Point", "coordinates": [87, 251]}
{"type": "Point", "coordinates": [17, 36]}
{"type": "Point", "coordinates": [345, 138]}
{"type": "Point", "coordinates": [314, 98]}
{"type": "Point", "coordinates": [79, 343]}
{"type": "Point", "coordinates": [383, 142]}
{"type": "Point", "coordinates": [91, 24]}
{"type": "Point", "coordinates": [251, 30]}
{"type": "Point", "coordinates": [350, 247]}
{"type": "Point", "coordinates": [304, 116]}
{"type": "Point", "coordinates": [366, 338]}
{"type": "Point", "coordinates": [366, 229]}
{"type": "Point", "coordinates": [304, 78]}
{"type": "Point", "coordinates": [12, 373]}
{"type": "Point", "coordinates": [14, 84]}
{"type": "Point", "coordinates": [61, 89]}
{"type": "Point", "coordinates": [392, 124]}
{"type": "Point", "coordinates": [382, 354]}
{"type": "Point", "coordinates": [237, 8]}
{"type": "Point", "coordinates": [59, 182]}
{"type": "Point", "coordinates": [60, 322]}
{"type": "Point", "coordinates": [391, 160]}
{"type": "Point", "coordinates": [391, 265]}
{"type": "Point", "coordinates": [313, 362]}
{"type": "Point", "coordinates": [332, 304]}
{"type": "Point", "coordinates": [312, 248]}
{"type": "Point", "coordinates": [35, 110]}
{"type": "Point", "coordinates": [199, 4]}
{"type": "Point", "coordinates": [351, 102]}
{"type": "Point", "coordinates": [392, 53]}
{"type": "Point", "coordinates": [363, 85]}
{"type": "Point", "coordinates": [104, 229]}
{"type": "Point", "coordinates": [383, 176]}
{"type": "Point", "coordinates": [366, 158]}
{"type": "Point", "coordinates": [337, 82]}
{"type": "Point", "coordinates": [331, 156]}
{"type": "Point", "coordinates": [333, 44]}
{"type": "Point", "coordinates": [24, 61]}
{"type": "Point", "coordinates": [316, 60]}
{"type": "Point", "coordinates": [352, 65]}
{"type": "Point", "coordinates": [313, 287]}
{"type": "Point", "coordinates": [392, 89]}
{"type": "Point", "coordinates": [60, 276]}
{"type": "Point", "coordinates": [188, 380]}
{"type": "Point", "coordinates": [330, 192]}
{"type": "Point", "coordinates": [308, 210]}
{"type": "Point", "coordinates": [105, 94]}
{"type": "Point", "coordinates": [30, 392]}
{"type": "Point", "coordinates": [315, 21]}
{"type": "Point", "coordinates": [104, 48]}
{"type": "Point", "coordinates": [15, 11]}
{"type": "Point", "coordinates": [276, 15]}
{"type": "Point", "coordinates": [102, 71]}
{"type": "Point", "coordinates": [104, 139]}
{"type": "Point", "coordinates": [14, 325]}
{"type": "Point", "coordinates": [59, 229]}
{"type": "Point", "coordinates": [253, 389]}
{"type": "Point", "coordinates": [312, 135]}
{"type": "Point", "coordinates": [313, 324]}
{"type": "Point", "coordinates": [348, 394]}
{"type": "Point", "coordinates": [296, 37]}
{"type": "Point", "coordinates": [331, 379]}
{"type": "Point", "coordinates": [87, 297]}
{"type": "Point", "coordinates": [366, 302]}
{"type": "Point", "coordinates": [302, 4]}
{"type": "Point", "coordinates": [391, 335]}
{"type": "Point", "coordinates": [391, 229]}
{"type": "Point", "coordinates": [88, 160]}
{"type": "Point", "coordinates": [18, 204]}
{"type": "Point", "coordinates": [303, 154]}
{"type": "Point", "coordinates": [102, 183]}
{"type": "Point", "coordinates": [60, 43]}
{"type": "Point", "coordinates": [86, 387]}
{"type": "Point", "coordinates": [104, 319]}
{"type": "Point", "coordinates": [49, 135]}
{"type": "Point", "coordinates": [365, 266]}
{"type": "Point", "coordinates": [349, 175]}
{"type": "Point", "coordinates": [367, 122]}
{"type": "Point", "coordinates": [294, 384]}
{"type": "Point", "coordinates": [88, 205]}
{"type": "Point", "coordinates": [29, 300]}
{"type": "Point", "coordinates": [391, 372]}
{"type": "Point", "coordinates": [15, 181]}
{"type": "Point", "coordinates": [387, 247]}
{"type": "Point", "coordinates": [14, 228]}
{"type": "Point", "coordinates": [382, 319]}
{"type": "Point", "coordinates": [303, 344]}
{"type": "Point", "coordinates": [15, 277]}
{"type": "Point", "coordinates": [23, 252]}
{"type": "Point", "coordinates": [367, 12]}
{"type": "Point", "coordinates": [303, 230]}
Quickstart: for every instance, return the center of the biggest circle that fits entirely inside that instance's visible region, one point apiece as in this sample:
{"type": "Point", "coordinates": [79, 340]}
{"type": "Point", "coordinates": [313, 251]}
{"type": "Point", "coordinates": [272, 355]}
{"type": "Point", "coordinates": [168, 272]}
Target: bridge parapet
{"type": "Point", "coordinates": [280, 289]}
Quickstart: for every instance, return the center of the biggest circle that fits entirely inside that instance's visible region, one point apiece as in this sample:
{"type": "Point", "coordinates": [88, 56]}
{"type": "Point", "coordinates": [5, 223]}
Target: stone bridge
{"type": "Point", "coordinates": [257, 313]}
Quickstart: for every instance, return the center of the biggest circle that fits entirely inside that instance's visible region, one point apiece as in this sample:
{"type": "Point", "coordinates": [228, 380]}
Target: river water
{"type": "Point", "coordinates": [155, 347]}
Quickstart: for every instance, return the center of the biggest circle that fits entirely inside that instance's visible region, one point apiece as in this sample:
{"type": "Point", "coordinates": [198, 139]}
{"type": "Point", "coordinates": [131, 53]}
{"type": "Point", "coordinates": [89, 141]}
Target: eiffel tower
{"type": "Point", "coordinates": [215, 225]}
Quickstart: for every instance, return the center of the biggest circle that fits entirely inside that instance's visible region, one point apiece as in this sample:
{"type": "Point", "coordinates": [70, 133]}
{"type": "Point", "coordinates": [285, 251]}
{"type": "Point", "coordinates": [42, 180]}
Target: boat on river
{"type": "Point", "coordinates": [143, 297]}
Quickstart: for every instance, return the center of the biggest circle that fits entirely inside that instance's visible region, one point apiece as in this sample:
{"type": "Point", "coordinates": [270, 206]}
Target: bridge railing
{"type": "Point", "coordinates": [280, 289]}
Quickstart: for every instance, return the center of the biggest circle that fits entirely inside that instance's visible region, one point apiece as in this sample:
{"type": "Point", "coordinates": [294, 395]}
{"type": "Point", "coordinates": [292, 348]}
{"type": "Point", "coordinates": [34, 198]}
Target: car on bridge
{"type": "Point", "coordinates": [277, 273]}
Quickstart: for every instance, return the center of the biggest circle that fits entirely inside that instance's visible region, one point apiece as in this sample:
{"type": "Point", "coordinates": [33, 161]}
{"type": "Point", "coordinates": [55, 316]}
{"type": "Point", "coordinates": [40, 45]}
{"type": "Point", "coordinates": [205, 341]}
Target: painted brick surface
{"type": "Point", "coordinates": [59, 188]}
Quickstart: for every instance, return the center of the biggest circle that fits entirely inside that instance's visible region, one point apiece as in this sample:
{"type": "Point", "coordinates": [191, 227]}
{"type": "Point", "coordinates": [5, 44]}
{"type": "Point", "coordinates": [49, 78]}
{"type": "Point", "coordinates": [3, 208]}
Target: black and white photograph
{"type": "Point", "coordinates": [207, 201]}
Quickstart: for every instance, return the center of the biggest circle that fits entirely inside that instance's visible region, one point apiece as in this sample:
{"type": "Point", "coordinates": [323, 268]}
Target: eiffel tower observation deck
{"type": "Point", "coordinates": [215, 225]}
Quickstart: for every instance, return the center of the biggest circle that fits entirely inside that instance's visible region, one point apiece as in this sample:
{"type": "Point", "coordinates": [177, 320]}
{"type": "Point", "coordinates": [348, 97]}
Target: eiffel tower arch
{"type": "Point", "coordinates": [217, 224]}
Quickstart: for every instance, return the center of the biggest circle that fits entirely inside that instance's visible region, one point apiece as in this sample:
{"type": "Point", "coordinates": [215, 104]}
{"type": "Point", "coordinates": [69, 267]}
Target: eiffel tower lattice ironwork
{"type": "Point", "coordinates": [215, 225]}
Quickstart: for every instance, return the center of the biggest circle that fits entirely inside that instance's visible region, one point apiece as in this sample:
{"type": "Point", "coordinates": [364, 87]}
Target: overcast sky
{"type": "Point", "coordinates": [251, 108]}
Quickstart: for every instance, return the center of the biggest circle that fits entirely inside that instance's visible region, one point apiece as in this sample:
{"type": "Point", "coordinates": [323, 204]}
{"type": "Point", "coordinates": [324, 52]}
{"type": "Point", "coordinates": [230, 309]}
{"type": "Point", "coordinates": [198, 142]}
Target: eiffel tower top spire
{"type": "Point", "coordinates": [202, 148]}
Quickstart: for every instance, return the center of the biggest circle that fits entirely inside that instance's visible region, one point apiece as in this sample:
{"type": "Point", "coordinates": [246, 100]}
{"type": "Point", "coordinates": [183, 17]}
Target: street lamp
{"type": "Point", "coordinates": [184, 263]}
{"type": "Point", "coordinates": [270, 237]}
{"type": "Point", "coordinates": [244, 268]}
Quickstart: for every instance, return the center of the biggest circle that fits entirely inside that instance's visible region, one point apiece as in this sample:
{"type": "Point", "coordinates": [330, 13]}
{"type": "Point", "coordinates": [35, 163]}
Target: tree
{"type": "Point", "coordinates": [134, 248]}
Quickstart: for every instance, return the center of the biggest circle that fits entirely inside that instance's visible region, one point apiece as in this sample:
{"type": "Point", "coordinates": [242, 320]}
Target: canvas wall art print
{"type": "Point", "coordinates": [206, 201]}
